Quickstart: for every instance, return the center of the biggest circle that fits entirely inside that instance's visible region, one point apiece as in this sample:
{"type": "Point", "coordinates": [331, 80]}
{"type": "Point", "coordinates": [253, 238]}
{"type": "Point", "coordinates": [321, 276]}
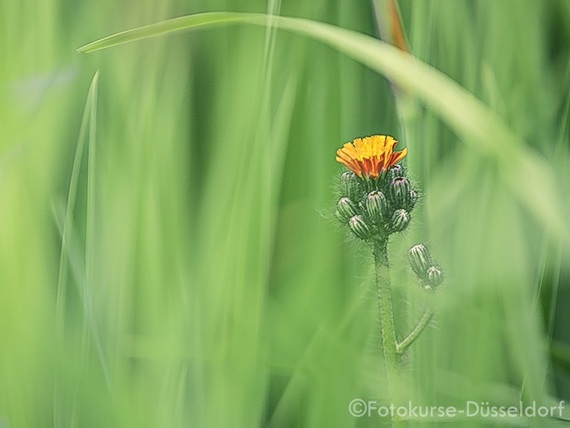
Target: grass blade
{"type": "Point", "coordinates": [527, 175]}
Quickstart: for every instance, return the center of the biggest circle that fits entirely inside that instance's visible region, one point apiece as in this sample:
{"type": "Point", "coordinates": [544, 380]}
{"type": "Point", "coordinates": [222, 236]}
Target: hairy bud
{"type": "Point", "coordinates": [434, 276]}
{"type": "Point", "coordinates": [376, 206]}
{"type": "Point", "coordinates": [359, 227]}
{"type": "Point", "coordinates": [420, 260]}
{"type": "Point", "coordinates": [400, 220]}
{"type": "Point", "coordinates": [345, 209]}
{"type": "Point", "coordinates": [400, 192]}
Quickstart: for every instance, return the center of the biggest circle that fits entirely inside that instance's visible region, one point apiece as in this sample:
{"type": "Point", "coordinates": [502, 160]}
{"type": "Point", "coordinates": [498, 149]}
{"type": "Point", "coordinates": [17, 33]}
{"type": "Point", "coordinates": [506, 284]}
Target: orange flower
{"type": "Point", "coordinates": [370, 156]}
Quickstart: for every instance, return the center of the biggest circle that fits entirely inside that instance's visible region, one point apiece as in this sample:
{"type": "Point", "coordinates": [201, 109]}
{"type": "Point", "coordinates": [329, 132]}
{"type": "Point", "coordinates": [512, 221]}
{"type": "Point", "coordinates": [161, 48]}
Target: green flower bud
{"type": "Point", "coordinates": [429, 273]}
{"type": "Point", "coordinates": [420, 260]}
{"type": "Point", "coordinates": [400, 220]}
{"type": "Point", "coordinates": [349, 183]}
{"type": "Point", "coordinates": [396, 171]}
{"type": "Point", "coordinates": [359, 227]}
{"type": "Point", "coordinates": [400, 192]}
{"type": "Point", "coordinates": [434, 276]}
{"type": "Point", "coordinates": [413, 199]}
{"type": "Point", "coordinates": [376, 205]}
{"type": "Point", "coordinates": [345, 209]}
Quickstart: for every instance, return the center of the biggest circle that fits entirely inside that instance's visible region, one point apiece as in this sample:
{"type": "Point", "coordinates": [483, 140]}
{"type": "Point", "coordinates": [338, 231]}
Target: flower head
{"type": "Point", "coordinates": [370, 156]}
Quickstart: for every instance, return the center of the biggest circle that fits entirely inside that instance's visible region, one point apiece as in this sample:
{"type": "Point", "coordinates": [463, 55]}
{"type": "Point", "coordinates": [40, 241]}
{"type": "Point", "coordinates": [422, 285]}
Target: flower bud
{"type": "Point", "coordinates": [359, 227]}
{"type": "Point", "coordinates": [348, 183]}
{"type": "Point", "coordinates": [396, 171]}
{"type": "Point", "coordinates": [400, 191]}
{"type": "Point", "coordinates": [376, 205]}
{"type": "Point", "coordinates": [413, 199]}
{"type": "Point", "coordinates": [345, 209]}
{"type": "Point", "coordinates": [429, 273]}
{"type": "Point", "coordinates": [400, 220]}
{"type": "Point", "coordinates": [420, 260]}
{"type": "Point", "coordinates": [434, 276]}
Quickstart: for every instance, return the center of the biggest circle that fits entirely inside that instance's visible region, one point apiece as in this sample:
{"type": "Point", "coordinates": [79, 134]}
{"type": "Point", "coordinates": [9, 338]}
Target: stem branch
{"type": "Point", "coordinates": [420, 326]}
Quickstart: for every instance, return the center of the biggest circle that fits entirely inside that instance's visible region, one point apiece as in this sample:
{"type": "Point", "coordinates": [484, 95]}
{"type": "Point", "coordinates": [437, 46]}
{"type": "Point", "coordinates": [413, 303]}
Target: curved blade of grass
{"type": "Point", "coordinates": [70, 252]}
{"type": "Point", "coordinates": [67, 252]}
{"type": "Point", "coordinates": [87, 135]}
{"type": "Point", "coordinates": [190, 22]}
{"type": "Point", "coordinates": [528, 176]}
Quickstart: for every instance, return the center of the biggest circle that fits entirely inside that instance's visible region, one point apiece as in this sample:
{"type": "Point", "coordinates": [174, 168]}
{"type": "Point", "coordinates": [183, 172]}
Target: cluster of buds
{"type": "Point", "coordinates": [376, 199]}
{"type": "Point", "coordinates": [428, 272]}
{"type": "Point", "coordinates": [376, 208]}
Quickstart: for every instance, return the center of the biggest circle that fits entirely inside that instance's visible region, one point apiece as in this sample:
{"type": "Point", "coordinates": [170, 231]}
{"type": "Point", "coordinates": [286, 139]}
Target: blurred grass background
{"type": "Point", "coordinates": [167, 256]}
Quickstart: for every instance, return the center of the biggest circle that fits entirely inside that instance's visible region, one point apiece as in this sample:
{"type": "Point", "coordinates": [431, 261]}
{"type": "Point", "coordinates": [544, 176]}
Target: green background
{"type": "Point", "coordinates": [169, 255]}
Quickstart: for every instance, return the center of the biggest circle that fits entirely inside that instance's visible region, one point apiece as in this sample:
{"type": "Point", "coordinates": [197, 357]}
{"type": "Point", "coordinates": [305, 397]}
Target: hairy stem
{"type": "Point", "coordinates": [420, 326]}
{"type": "Point", "coordinates": [386, 313]}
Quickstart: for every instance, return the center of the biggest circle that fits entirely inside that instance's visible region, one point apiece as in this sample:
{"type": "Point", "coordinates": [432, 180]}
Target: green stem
{"type": "Point", "coordinates": [386, 312]}
{"type": "Point", "coordinates": [420, 326]}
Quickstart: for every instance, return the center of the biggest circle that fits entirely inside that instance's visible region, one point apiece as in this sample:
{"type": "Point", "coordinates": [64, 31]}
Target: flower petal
{"type": "Point", "coordinates": [370, 156]}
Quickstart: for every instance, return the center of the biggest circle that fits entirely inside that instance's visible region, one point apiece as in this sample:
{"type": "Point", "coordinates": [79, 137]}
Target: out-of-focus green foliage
{"type": "Point", "coordinates": [168, 253]}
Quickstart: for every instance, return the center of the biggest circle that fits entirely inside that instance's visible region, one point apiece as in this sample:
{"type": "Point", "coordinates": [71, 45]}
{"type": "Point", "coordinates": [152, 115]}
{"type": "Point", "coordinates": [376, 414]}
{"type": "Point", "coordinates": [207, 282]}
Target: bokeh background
{"type": "Point", "coordinates": [168, 250]}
